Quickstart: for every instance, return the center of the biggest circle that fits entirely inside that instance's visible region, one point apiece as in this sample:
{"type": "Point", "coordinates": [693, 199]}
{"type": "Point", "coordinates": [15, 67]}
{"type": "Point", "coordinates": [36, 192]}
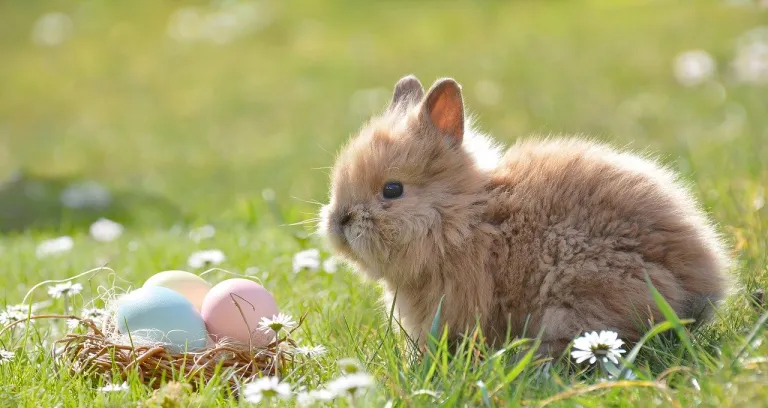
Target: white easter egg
{"type": "Point", "coordinates": [189, 285]}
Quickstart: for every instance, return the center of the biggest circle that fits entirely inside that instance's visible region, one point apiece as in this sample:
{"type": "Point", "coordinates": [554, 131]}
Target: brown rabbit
{"type": "Point", "coordinates": [556, 234]}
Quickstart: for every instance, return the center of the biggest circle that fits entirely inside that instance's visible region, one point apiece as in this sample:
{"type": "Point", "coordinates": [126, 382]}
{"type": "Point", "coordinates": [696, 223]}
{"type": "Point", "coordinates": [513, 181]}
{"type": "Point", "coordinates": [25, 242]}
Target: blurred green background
{"type": "Point", "coordinates": [167, 115]}
{"type": "Point", "coordinates": [188, 110]}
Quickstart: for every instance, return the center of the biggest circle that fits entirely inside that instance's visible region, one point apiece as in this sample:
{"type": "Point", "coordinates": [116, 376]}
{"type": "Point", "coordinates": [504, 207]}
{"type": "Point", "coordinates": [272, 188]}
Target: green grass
{"type": "Point", "coordinates": [186, 134]}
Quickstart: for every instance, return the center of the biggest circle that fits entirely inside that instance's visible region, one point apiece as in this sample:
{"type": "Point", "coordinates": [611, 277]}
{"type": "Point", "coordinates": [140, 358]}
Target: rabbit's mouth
{"type": "Point", "coordinates": [335, 231]}
{"type": "Point", "coordinates": [350, 233]}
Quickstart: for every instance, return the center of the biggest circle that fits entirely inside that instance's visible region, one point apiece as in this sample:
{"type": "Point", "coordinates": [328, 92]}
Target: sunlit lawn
{"type": "Point", "coordinates": [186, 126]}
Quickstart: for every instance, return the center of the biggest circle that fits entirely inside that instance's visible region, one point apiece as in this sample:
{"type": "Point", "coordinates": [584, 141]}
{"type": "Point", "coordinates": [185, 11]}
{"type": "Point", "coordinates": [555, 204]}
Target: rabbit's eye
{"type": "Point", "coordinates": [393, 189]}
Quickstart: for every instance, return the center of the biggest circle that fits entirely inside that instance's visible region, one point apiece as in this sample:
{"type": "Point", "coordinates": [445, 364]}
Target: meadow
{"type": "Point", "coordinates": [211, 125]}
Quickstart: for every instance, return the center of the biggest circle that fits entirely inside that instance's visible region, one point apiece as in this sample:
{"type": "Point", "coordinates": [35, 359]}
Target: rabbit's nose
{"type": "Point", "coordinates": [345, 218]}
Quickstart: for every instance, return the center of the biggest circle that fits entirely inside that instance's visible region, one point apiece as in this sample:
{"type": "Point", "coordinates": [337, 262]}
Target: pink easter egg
{"type": "Point", "coordinates": [233, 308]}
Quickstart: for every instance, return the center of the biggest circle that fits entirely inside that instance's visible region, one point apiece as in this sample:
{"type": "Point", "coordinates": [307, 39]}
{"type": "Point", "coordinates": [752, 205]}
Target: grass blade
{"type": "Point", "coordinates": [655, 331]}
{"type": "Point", "coordinates": [436, 320]}
{"type": "Point", "coordinates": [671, 316]}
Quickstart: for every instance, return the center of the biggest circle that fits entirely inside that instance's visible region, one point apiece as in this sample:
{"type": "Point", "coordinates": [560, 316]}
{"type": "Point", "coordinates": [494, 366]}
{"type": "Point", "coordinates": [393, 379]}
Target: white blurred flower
{"type": "Point", "coordinates": [331, 265]}
{"type": "Point", "coordinates": [311, 351]}
{"type": "Point", "coordinates": [115, 387]}
{"type": "Point", "coordinates": [308, 259]}
{"type": "Point", "coordinates": [591, 346]}
{"type": "Point", "coordinates": [307, 398]}
{"type": "Point", "coordinates": [277, 323]}
{"type": "Point", "coordinates": [55, 246]}
{"type": "Point", "coordinates": [694, 67]}
{"type": "Point", "coordinates": [350, 384]}
{"type": "Point", "coordinates": [268, 194]}
{"type": "Point", "coordinates": [104, 230]}
{"type": "Point", "coordinates": [185, 24]}
{"type": "Point", "coordinates": [209, 257]}
{"type": "Point", "coordinates": [220, 26]}
{"type": "Point", "coordinates": [86, 194]}
{"type": "Point", "coordinates": [51, 29]}
{"type": "Point", "coordinates": [349, 366]}
{"type": "Point", "coordinates": [13, 314]}
{"type": "Point", "coordinates": [73, 323]}
{"type": "Point", "coordinates": [6, 356]}
{"type": "Point", "coordinates": [266, 388]}
{"type": "Point", "coordinates": [751, 62]}
{"type": "Point", "coordinates": [66, 289]}
{"type": "Point", "coordinates": [201, 233]}
{"type": "Point", "coordinates": [303, 399]}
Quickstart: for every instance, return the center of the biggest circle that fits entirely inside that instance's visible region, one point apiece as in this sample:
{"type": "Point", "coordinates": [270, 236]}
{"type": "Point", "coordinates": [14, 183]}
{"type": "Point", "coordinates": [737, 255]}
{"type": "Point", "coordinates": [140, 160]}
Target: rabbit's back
{"type": "Point", "coordinates": [582, 224]}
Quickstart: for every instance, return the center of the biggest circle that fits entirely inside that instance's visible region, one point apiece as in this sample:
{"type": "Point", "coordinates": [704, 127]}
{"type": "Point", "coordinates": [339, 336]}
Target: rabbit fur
{"type": "Point", "coordinates": [555, 235]}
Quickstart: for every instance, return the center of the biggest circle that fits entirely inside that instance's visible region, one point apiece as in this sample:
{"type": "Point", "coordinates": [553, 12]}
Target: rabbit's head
{"type": "Point", "coordinates": [406, 191]}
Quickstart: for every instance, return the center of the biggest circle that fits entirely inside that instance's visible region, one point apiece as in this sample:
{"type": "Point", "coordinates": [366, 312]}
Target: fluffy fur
{"type": "Point", "coordinates": [556, 234]}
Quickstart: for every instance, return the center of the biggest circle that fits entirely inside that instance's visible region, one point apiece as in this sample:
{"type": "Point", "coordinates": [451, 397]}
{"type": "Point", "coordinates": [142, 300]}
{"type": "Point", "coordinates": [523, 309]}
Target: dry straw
{"type": "Point", "coordinates": [95, 353]}
{"type": "Point", "coordinates": [105, 352]}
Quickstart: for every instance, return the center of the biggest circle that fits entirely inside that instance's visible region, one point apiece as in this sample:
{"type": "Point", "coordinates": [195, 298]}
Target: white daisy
{"type": "Point", "coordinates": [308, 259]}
{"type": "Point", "coordinates": [694, 67]}
{"type": "Point", "coordinates": [593, 346]}
{"type": "Point", "coordinates": [350, 384]}
{"type": "Point", "coordinates": [13, 313]}
{"type": "Point", "coordinates": [52, 29]}
{"type": "Point", "coordinates": [104, 230]}
{"type": "Point", "coordinates": [331, 265]}
{"type": "Point", "coordinates": [6, 356]}
{"type": "Point", "coordinates": [268, 194]}
{"type": "Point", "coordinates": [209, 257]}
{"type": "Point", "coordinates": [349, 366]}
{"type": "Point", "coordinates": [311, 351]}
{"type": "Point", "coordinates": [65, 289]}
{"type": "Point", "coordinates": [751, 61]}
{"type": "Point", "coordinates": [277, 323]}
{"type": "Point", "coordinates": [204, 232]}
{"type": "Point", "coordinates": [114, 387]}
{"type": "Point", "coordinates": [54, 246]}
{"type": "Point", "coordinates": [305, 399]}
{"type": "Point", "coordinates": [266, 388]}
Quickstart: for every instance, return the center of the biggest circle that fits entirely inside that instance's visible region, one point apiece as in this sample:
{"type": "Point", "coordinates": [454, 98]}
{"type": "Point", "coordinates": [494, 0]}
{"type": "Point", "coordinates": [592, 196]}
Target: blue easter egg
{"type": "Point", "coordinates": [162, 315]}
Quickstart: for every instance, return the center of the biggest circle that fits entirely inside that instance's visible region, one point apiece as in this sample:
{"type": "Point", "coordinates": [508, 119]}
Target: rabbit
{"type": "Point", "coordinates": [555, 236]}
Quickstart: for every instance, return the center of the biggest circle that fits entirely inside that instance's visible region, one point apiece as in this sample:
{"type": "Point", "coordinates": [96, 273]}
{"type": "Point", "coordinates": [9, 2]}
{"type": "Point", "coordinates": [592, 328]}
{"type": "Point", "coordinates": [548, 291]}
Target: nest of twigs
{"type": "Point", "coordinates": [95, 353]}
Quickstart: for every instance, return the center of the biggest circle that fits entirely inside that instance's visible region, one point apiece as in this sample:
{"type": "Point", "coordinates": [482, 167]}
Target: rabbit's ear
{"type": "Point", "coordinates": [444, 108]}
{"type": "Point", "coordinates": [407, 89]}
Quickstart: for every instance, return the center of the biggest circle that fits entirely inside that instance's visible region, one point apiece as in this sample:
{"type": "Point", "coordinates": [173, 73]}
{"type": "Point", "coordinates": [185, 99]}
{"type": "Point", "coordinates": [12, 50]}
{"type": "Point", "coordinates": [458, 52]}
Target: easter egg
{"type": "Point", "coordinates": [191, 286]}
{"type": "Point", "coordinates": [160, 315]}
{"type": "Point", "coordinates": [233, 308]}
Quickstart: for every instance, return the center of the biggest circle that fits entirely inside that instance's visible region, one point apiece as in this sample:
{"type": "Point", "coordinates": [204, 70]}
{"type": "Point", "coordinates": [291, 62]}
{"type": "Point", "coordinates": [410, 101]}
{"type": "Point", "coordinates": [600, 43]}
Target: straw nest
{"type": "Point", "coordinates": [99, 352]}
